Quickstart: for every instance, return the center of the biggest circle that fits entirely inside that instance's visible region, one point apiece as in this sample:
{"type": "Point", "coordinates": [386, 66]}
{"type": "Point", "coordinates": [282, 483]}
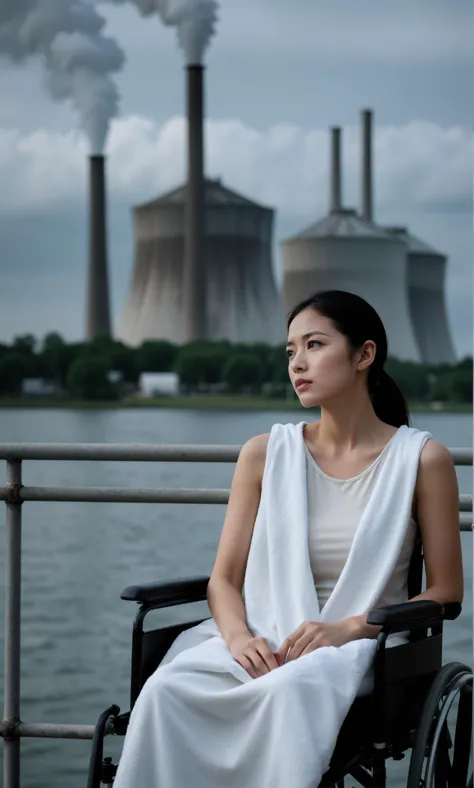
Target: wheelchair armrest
{"type": "Point", "coordinates": [413, 615]}
{"type": "Point", "coordinates": [165, 594]}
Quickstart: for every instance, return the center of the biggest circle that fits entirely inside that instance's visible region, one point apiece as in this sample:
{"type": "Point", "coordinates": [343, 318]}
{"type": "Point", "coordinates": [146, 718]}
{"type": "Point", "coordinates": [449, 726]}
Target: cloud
{"type": "Point", "coordinates": [422, 179]}
{"type": "Point", "coordinates": [421, 166]}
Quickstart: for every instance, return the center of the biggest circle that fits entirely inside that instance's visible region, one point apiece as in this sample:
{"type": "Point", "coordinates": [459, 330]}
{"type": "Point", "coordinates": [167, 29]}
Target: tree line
{"type": "Point", "coordinates": [83, 369]}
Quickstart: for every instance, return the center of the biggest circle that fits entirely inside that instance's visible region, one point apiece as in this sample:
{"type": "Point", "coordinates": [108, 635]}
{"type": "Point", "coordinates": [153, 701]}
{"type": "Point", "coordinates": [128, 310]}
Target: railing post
{"type": "Point", "coordinates": [11, 714]}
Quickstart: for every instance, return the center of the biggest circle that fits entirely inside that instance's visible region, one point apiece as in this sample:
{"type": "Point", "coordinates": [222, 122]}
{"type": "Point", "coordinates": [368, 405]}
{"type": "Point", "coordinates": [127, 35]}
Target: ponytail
{"type": "Point", "coordinates": [388, 401]}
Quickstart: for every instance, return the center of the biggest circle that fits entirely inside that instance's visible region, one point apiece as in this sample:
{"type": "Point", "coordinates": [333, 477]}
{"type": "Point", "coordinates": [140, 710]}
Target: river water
{"type": "Point", "coordinates": [76, 632]}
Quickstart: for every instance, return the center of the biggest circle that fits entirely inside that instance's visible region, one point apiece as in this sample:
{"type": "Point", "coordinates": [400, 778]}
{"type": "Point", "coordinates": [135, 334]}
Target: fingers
{"type": "Point", "coordinates": [247, 665]}
{"type": "Point", "coordinates": [281, 654]}
{"type": "Point", "coordinates": [264, 650]}
{"type": "Point", "coordinates": [257, 658]}
{"type": "Point", "coordinates": [301, 644]}
{"type": "Point", "coordinates": [289, 643]}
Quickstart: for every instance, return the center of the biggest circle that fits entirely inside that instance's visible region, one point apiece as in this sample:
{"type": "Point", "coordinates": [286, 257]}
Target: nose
{"type": "Point", "coordinates": [299, 362]}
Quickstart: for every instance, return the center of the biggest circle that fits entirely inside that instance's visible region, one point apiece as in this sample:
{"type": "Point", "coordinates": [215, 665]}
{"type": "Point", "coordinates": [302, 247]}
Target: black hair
{"type": "Point", "coordinates": [358, 321]}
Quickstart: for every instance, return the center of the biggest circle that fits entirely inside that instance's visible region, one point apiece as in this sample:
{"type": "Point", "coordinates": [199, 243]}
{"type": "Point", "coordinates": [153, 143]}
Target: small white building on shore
{"type": "Point", "coordinates": [158, 384]}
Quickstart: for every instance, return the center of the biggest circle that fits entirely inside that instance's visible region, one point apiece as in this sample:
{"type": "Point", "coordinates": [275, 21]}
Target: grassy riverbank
{"type": "Point", "coordinates": [200, 402]}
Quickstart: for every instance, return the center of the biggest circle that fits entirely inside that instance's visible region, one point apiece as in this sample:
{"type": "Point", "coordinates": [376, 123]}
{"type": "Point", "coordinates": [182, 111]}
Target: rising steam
{"type": "Point", "coordinates": [67, 36]}
{"type": "Point", "coordinates": [194, 21]}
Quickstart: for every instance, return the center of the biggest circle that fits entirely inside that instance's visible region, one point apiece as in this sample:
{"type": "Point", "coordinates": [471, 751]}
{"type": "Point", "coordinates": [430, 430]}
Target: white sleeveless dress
{"type": "Point", "coordinates": [201, 720]}
{"type": "Point", "coordinates": [335, 508]}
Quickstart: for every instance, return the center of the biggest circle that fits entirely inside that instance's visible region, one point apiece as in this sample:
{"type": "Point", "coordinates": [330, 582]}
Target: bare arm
{"type": "Point", "coordinates": [437, 514]}
{"type": "Point", "coordinates": [226, 582]}
{"type": "Point", "coordinates": [437, 506]}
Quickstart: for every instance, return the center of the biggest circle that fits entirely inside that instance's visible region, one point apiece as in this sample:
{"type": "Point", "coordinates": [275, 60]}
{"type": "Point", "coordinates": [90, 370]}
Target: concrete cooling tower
{"type": "Point", "coordinates": [344, 251]}
{"type": "Point", "coordinates": [241, 300]}
{"type": "Point", "coordinates": [426, 299]}
{"type": "Point", "coordinates": [402, 277]}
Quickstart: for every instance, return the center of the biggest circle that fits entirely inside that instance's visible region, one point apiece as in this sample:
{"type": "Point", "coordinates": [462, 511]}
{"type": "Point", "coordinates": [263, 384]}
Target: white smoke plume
{"type": "Point", "coordinates": [194, 21]}
{"type": "Point", "coordinates": [67, 36]}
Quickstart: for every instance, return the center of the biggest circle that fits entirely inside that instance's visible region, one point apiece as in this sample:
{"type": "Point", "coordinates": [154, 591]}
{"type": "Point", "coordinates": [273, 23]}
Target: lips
{"type": "Point", "coordinates": [302, 383]}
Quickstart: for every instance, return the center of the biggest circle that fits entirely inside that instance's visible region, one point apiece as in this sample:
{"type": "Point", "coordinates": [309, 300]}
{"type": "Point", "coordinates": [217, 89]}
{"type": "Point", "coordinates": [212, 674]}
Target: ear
{"type": "Point", "coordinates": [366, 355]}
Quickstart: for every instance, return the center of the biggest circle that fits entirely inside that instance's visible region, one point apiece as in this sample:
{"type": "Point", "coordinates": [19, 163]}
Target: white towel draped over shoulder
{"type": "Point", "coordinates": [201, 720]}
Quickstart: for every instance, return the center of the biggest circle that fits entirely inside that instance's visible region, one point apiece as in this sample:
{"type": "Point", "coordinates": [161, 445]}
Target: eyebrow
{"type": "Point", "coordinates": [306, 336]}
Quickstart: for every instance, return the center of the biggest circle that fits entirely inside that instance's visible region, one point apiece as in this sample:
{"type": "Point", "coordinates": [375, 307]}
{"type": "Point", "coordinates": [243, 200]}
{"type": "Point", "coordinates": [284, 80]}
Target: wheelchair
{"type": "Point", "coordinates": [405, 713]}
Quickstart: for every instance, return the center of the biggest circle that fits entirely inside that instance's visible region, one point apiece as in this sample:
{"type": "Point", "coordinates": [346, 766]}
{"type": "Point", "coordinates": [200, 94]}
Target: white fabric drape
{"type": "Point", "coordinates": [201, 720]}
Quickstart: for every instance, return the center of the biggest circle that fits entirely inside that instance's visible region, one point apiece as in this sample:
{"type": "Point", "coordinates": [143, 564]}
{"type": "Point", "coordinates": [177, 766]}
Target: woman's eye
{"type": "Point", "coordinates": [313, 342]}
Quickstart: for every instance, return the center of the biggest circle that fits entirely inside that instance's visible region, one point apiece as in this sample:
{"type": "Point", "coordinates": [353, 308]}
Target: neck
{"type": "Point", "coordinates": [348, 422]}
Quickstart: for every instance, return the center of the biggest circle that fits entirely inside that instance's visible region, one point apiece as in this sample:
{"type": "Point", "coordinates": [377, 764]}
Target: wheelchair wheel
{"type": "Point", "coordinates": [442, 747]}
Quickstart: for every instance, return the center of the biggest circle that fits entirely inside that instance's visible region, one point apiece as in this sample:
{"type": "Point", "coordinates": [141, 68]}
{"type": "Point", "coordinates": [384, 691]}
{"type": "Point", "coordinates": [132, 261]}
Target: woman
{"type": "Point", "coordinates": [319, 529]}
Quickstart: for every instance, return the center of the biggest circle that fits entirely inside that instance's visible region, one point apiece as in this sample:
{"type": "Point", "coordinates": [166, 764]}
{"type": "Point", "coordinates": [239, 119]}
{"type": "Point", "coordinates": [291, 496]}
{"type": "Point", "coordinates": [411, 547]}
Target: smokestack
{"type": "Point", "coordinates": [194, 248]}
{"type": "Point", "coordinates": [98, 309]}
{"type": "Point", "coordinates": [335, 177]}
{"type": "Point", "coordinates": [366, 186]}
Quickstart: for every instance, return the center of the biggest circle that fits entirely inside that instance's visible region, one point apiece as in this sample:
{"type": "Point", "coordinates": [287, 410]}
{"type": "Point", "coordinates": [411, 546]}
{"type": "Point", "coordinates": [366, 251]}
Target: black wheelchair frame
{"type": "Point", "coordinates": [407, 709]}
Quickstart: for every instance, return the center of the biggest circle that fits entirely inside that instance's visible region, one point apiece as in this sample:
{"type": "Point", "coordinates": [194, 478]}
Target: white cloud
{"type": "Point", "coordinates": [420, 166]}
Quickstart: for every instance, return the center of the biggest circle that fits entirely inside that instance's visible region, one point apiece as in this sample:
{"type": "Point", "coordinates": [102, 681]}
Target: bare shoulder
{"type": "Point", "coordinates": [436, 471]}
{"type": "Point", "coordinates": [255, 449]}
{"type": "Point", "coordinates": [434, 456]}
{"type": "Point", "coordinates": [251, 462]}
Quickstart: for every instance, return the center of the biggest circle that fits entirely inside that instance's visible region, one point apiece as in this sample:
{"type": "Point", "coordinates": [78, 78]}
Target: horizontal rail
{"type": "Point", "coordinates": [50, 730]}
{"type": "Point", "coordinates": [144, 453]}
{"type": "Point", "coordinates": [140, 495]}
{"type": "Point", "coordinates": [117, 495]}
{"type": "Point", "coordinates": [120, 451]}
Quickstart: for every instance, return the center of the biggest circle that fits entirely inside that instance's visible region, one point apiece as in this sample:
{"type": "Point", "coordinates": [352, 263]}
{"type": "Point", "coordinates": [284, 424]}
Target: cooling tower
{"type": "Point", "coordinates": [98, 308]}
{"type": "Point", "coordinates": [426, 299]}
{"type": "Point", "coordinates": [241, 300]}
{"type": "Point", "coordinates": [343, 251]}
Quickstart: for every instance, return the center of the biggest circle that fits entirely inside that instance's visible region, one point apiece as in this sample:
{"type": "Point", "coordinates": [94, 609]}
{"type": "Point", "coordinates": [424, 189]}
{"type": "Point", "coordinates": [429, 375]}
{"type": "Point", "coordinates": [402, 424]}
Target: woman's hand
{"type": "Point", "coordinates": [254, 654]}
{"type": "Point", "coordinates": [311, 635]}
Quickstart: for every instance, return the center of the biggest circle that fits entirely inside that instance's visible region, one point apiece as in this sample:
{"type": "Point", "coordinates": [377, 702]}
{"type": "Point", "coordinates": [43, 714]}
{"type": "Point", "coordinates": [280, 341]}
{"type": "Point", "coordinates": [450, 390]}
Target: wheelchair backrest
{"type": "Point", "coordinates": [415, 571]}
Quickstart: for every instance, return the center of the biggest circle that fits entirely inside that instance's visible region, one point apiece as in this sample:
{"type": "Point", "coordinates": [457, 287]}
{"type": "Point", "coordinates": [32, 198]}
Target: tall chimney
{"type": "Point", "coordinates": [194, 295]}
{"type": "Point", "coordinates": [335, 177]}
{"type": "Point", "coordinates": [98, 308]}
{"type": "Point", "coordinates": [366, 186]}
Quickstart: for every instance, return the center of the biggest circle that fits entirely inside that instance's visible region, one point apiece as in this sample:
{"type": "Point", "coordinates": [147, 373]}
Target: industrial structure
{"type": "Point", "coordinates": [426, 299]}
{"type": "Point", "coordinates": [401, 277]}
{"type": "Point", "coordinates": [98, 303]}
{"type": "Point", "coordinates": [194, 280]}
{"type": "Point", "coordinates": [240, 300]}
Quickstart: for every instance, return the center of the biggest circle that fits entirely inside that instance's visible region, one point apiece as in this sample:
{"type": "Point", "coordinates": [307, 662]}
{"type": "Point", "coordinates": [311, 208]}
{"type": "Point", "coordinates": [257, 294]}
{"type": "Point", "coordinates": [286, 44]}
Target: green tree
{"type": "Point", "coordinates": [13, 369]}
{"type": "Point", "coordinates": [52, 360]}
{"type": "Point", "coordinates": [88, 379]}
{"type": "Point", "coordinates": [156, 356]}
{"type": "Point", "coordinates": [4, 349]}
{"type": "Point", "coordinates": [278, 366]}
{"type": "Point", "coordinates": [200, 365]}
{"type": "Point", "coordinates": [413, 379]}
{"type": "Point", "coordinates": [260, 350]}
{"type": "Point", "coordinates": [123, 359]}
{"type": "Point", "coordinates": [25, 344]}
{"type": "Point", "coordinates": [460, 384]}
{"type": "Point", "coordinates": [243, 372]}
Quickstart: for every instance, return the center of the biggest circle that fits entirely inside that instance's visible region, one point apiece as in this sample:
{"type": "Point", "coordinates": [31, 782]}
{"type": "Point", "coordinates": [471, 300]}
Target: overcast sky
{"type": "Point", "coordinates": [278, 75]}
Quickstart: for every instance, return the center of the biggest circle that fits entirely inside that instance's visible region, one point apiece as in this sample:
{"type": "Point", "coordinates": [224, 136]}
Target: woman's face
{"type": "Point", "coordinates": [320, 363]}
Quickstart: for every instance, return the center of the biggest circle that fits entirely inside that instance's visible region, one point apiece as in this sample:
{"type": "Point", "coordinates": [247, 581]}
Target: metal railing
{"type": "Point", "coordinates": [15, 493]}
